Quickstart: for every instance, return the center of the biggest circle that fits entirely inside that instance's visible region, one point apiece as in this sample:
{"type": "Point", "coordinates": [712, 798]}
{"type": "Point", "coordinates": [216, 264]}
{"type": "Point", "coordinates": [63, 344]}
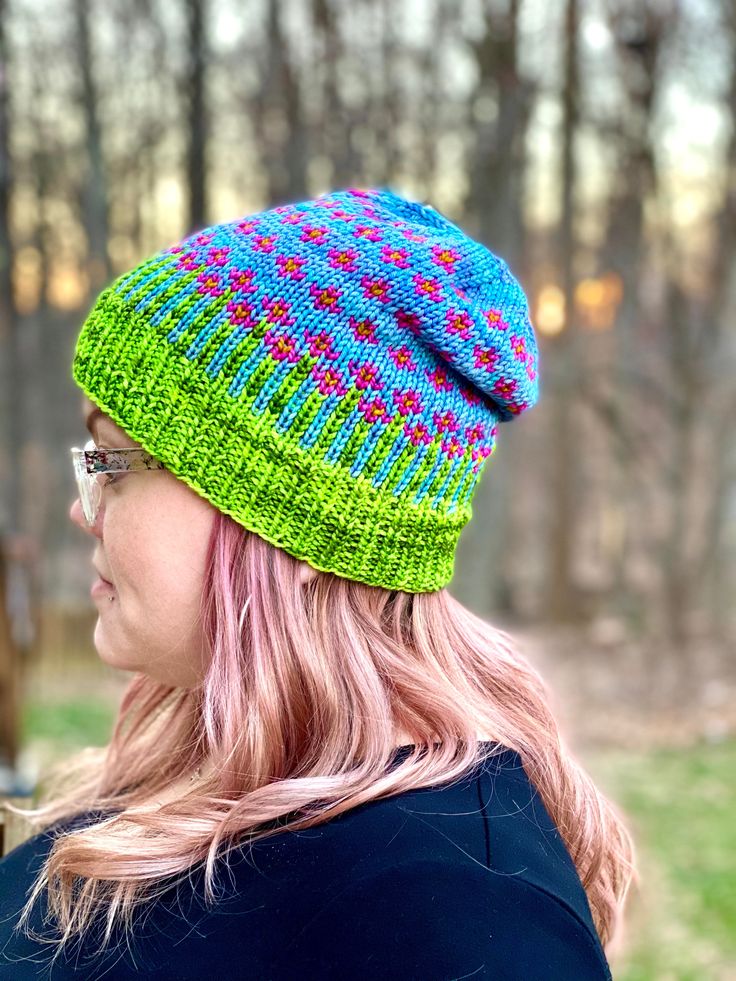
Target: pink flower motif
{"type": "Point", "coordinates": [453, 447]}
{"type": "Point", "coordinates": [474, 433]}
{"type": "Point", "coordinates": [428, 287]}
{"type": "Point", "coordinates": [417, 433]}
{"type": "Point", "coordinates": [459, 322]}
{"type": "Point", "coordinates": [342, 215]}
{"type": "Point", "coordinates": [401, 357]}
{"type": "Point", "coordinates": [363, 330]}
{"type": "Point", "coordinates": [505, 387]}
{"type": "Point", "coordinates": [413, 236]}
{"type": "Point", "coordinates": [368, 232]}
{"type": "Point", "coordinates": [325, 298]}
{"type": "Point", "coordinates": [408, 321]}
{"type": "Point", "coordinates": [264, 243]}
{"type": "Point", "coordinates": [517, 407]}
{"type": "Point", "coordinates": [241, 280]}
{"type": "Point", "coordinates": [366, 375]}
{"type": "Point", "coordinates": [487, 358]}
{"type": "Point", "coordinates": [408, 401]}
{"type": "Point", "coordinates": [314, 233]}
{"type": "Point", "coordinates": [396, 257]}
{"type": "Point", "coordinates": [479, 454]}
{"type": "Point", "coordinates": [359, 192]}
{"type": "Point", "coordinates": [277, 310]}
{"type": "Point", "coordinates": [495, 319]}
{"type": "Point", "coordinates": [320, 344]}
{"type": "Point", "coordinates": [240, 313]}
{"type": "Point", "coordinates": [329, 381]}
{"type": "Point", "coordinates": [471, 397]}
{"type": "Point", "coordinates": [445, 258]}
{"type": "Point", "coordinates": [248, 226]}
{"type": "Point", "coordinates": [290, 266]}
{"type": "Point", "coordinates": [343, 259]}
{"type": "Point", "coordinates": [175, 249]}
{"type": "Point", "coordinates": [209, 282]}
{"type": "Point", "coordinates": [374, 410]}
{"type": "Point", "coordinates": [445, 421]}
{"type": "Point", "coordinates": [204, 238]}
{"type": "Point", "coordinates": [531, 373]}
{"type": "Point", "coordinates": [439, 380]}
{"type": "Point", "coordinates": [376, 289]}
{"type": "Point", "coordinates": [189, 260]}
{"type": "Point", "coordinates": [283, 346]}
{"type": "Point", "coordinates": [218, 256]}
{"type": "Point", "coordinates": [293, 217]}
{"type": "Point", "coordinates": [518, 346]}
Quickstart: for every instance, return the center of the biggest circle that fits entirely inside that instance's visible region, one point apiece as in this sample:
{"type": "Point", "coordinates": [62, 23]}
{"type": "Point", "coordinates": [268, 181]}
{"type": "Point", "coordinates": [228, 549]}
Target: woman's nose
{"type": "Point", "coordinates": [77, 516]}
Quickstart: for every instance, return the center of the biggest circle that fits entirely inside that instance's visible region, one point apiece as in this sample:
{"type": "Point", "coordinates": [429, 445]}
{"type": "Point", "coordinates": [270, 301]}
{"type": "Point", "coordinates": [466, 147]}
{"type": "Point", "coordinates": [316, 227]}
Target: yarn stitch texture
{"type": "Point", "coordinates": [330, 373]}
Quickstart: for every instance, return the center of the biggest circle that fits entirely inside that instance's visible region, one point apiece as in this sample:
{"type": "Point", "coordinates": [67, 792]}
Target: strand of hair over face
{"type": "Point", "coordinates": [306, 685]}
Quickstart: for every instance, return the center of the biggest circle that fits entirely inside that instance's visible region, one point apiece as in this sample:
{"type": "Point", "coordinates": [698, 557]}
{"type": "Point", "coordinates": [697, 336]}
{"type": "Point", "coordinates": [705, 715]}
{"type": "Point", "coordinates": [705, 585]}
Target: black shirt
{"type": "Point", "coordinates": [468, 879]}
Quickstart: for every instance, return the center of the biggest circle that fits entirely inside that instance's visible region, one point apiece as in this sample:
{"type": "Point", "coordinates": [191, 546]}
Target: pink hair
{"type": "Point", "coordinates": [306, 685]}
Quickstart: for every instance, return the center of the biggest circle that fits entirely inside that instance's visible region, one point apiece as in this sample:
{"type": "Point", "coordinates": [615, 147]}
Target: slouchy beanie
{"type": "Point", "coordinates": [330, 373]}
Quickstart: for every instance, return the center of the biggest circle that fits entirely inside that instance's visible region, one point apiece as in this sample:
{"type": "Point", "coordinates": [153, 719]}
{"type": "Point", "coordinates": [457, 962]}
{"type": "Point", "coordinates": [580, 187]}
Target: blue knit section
{"type": "Point", "coordinates": [366, 294]}
{"type": "Point", "coordinates": [293, 406]}
{"type": "Point", "coordinates": [410, 470]}
{"type": "Point", "coordinates": [445, 484]}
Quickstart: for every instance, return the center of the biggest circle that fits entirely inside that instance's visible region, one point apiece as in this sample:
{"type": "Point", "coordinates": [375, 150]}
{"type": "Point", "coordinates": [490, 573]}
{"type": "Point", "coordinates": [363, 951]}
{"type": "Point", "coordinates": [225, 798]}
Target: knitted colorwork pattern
{"type": "Point", "coordinates": [331, 374]}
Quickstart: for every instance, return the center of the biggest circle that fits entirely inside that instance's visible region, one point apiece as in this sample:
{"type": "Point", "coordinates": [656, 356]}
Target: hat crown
{"type": "Point", "coordinates": [358, 349]}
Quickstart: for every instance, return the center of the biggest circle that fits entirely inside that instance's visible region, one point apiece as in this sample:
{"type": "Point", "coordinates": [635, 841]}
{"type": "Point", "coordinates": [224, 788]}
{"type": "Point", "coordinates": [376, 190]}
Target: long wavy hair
{"type": "Point", "coordinates": [305, 686]}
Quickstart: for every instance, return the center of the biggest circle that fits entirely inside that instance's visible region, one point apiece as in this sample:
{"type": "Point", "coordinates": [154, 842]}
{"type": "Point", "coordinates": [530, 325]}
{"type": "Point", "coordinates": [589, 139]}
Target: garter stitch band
{"type": "Point", "coordinates": [331, 374]}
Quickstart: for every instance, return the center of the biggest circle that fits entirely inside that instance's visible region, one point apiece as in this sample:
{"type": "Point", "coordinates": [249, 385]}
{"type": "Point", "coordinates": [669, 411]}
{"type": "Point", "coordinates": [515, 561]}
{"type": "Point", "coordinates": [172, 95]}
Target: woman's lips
{"type": "Point", "coordinates": [101, 585]}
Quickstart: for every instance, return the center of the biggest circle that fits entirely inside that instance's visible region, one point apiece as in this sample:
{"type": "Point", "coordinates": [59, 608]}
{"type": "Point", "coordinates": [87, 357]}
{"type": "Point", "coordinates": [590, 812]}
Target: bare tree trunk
{"type": "Point", "coordinates": [9, 676]}
{"type": "Point", "coordinates": [10, 382]}
{"type": "Point", "coordinates": [497, 164]}
{"type": "Point", "coordinates": [94, 190]}
{"type": "Point", "coordinates": [638, 42]}
{"type": "Point", "coordinates": [278, 117]}
{"type": "Point", "coordinates": [10, 407]}
{"type": "Point", "coordinates": [721, 309]}
{"type": "Point", "coordinates": [197, 115]}
{"type": "Point", "coordinates": [560, 595]}
{"type": "Point", "coordinates": [493, 213]}
{"type": "Point", "coordinates": [330, 66]}
{"type": "Point", "coordinates": [389, 121]}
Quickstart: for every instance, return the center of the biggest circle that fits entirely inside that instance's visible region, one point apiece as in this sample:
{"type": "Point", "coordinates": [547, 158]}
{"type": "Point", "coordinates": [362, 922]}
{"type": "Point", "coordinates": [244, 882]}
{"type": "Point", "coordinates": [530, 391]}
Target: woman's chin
{"type": "Point", "coordinates": [108, 652]}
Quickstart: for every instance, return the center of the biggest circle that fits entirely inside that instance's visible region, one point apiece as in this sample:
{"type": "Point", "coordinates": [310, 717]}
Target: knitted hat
{"type": "Point", "coordinates": [331, 374]}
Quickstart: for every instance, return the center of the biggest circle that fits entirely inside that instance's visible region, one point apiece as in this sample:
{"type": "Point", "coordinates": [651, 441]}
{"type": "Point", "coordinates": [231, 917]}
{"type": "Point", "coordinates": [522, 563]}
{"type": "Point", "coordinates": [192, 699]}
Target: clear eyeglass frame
{"type": "Point", "coordinates": [90, 462]}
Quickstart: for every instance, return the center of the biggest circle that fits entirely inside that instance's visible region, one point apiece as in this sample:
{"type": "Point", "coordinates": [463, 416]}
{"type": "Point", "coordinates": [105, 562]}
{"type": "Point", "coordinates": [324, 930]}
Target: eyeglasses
{"type": "Point", "coordinates": [90, 462]}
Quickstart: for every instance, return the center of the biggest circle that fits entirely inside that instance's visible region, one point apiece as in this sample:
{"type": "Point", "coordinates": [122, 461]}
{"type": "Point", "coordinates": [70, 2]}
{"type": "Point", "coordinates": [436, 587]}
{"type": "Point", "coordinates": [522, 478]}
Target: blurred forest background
{"type": "Point", "coordinates": [592, 143]}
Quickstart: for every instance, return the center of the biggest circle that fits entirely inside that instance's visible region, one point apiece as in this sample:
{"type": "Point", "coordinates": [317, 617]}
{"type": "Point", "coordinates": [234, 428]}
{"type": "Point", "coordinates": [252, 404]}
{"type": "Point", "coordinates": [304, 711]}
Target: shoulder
{"type": "Point", "coordinates": [428, 918]}
{"type": "Point", "coordinates": [468, 877]}
{"type": "Point", "coordinates": [20, 867]}
{"type": "Point", "coordinates": [492, 817]}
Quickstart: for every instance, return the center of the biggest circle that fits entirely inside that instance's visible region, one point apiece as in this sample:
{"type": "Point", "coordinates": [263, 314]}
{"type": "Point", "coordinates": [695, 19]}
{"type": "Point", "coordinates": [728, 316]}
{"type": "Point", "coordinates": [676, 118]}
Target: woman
{"type": "Point", "coordinates": [323, 766]}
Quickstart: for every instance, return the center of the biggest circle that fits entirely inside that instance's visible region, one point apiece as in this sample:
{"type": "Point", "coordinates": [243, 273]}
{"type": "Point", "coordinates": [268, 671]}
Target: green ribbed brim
{"type": "Point", "coordinates": [235, 459]}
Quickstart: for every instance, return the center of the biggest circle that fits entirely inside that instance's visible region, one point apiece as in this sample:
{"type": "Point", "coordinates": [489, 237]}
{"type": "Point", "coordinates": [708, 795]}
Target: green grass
{"type": "Point", "coordinates": [68, 724]}
{"type": "Point", "coordinates": [681, 805]}
{"type": "Point", "coordinates": [682, 809]}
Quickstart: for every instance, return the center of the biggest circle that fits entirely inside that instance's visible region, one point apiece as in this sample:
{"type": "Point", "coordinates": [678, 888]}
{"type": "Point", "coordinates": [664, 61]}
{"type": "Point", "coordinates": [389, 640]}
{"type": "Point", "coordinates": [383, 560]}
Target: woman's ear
{"type": "Point", "coordinates": [307, 572]}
